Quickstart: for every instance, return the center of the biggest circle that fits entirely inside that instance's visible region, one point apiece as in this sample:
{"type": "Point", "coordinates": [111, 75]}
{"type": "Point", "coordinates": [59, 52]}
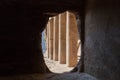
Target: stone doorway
{"type": "Point", "coordinates": [62, 43]}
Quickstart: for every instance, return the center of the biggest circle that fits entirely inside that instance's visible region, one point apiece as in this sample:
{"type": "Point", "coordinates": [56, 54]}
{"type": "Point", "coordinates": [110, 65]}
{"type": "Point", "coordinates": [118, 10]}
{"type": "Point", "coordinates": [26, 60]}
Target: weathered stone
{"type": "Point", "coordinates": [47, 39]}
{"type": "Point", "coordinates": [102, 39]}
{"type": "Point", "coordinates": [55, 40]}
{"type": "Point", "coordinates": [51, 39]}
{"type": "Point", "coordinates": [71, 40]}
{"type": "Point", "coordinates": [62, 38]}
{"type": "Point", "coordinates": [22, 21]}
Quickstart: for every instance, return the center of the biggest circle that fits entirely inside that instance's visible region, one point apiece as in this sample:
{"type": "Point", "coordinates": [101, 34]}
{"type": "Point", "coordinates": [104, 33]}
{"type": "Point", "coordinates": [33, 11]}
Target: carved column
{"type": "Point", "coordinates": [55, 39]}
{"type": "Point", "coordinates": [71, 40]}
{"type": "Point", "coordinates": [51, 39]}
{"type": "Point", "coordinates": [62, 38]}
{"type": "Point", "coordinates": [47, 29]}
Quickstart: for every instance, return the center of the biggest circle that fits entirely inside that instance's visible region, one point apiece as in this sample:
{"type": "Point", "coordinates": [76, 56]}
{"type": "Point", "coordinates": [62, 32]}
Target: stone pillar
{"type": "Point", "coordinates": [62, 38]}
{"type": "Point", "coordinates": [47, 43]}
{"type": "Point", "coordinates": [51, 39]}
{"type": "Point", "coordinates": [71, 40]}
{"type": "Point", "coordinates": [78, 50]}
{"type": "Point", "coordinates": [55, 39]}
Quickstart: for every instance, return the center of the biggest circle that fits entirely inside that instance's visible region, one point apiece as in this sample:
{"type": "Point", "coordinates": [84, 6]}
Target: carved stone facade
{"type": "Point", "coordinates": [62, 39]}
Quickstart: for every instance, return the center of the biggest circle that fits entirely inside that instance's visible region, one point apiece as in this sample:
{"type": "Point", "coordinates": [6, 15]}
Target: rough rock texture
{"type": "Point", "coordinates": [65, 76]}
{"type": "Point", "coordinates": [73, 76]}
{"type": "Point", "coordinates": [21, 24]}
{"type": "Point", "coordinates": [102, 39]}
{"type": "Point", "coordinates": [20, 40]}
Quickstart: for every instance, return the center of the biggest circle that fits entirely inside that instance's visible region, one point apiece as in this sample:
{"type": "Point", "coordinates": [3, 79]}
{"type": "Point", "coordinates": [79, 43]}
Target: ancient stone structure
{"type": "Point", "coordinates": [47, 38]}
{"type": "Point", "coordinates": [55, 40]}
{"type": "Point", "coordinates": [21, 24]}
{"type": "Point", "coordinates": [51, 38]}
{"type": "Point", "coordinates": [72, 39]}
{"type": "Point", "coordinates": [65, 32]}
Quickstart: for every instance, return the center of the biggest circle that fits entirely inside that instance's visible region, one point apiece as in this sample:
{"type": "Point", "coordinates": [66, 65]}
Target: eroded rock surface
{"type": "Point", "coordinates": [73, 76]}
{"type": "Point", "coordinates": [65, 76]}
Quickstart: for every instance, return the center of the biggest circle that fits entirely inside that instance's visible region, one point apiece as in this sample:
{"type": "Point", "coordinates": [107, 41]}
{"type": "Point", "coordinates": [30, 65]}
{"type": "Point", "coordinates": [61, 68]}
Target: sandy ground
{"type": "Point", "coordinates": [55, 67]}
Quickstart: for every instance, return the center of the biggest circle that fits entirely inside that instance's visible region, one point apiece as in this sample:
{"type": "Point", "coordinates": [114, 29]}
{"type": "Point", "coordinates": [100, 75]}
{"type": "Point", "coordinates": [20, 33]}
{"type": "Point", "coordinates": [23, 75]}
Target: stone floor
{"type": "Point", "coordinates": [55, 67]}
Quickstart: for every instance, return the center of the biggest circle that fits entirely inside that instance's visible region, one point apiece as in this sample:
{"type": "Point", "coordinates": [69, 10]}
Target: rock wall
{"type": "Point", "coordinates": [21, 23]}
{"type": "Point", "coordinates": [102, 39]}
{"type": "Point", "coordinates": [20, 40]}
